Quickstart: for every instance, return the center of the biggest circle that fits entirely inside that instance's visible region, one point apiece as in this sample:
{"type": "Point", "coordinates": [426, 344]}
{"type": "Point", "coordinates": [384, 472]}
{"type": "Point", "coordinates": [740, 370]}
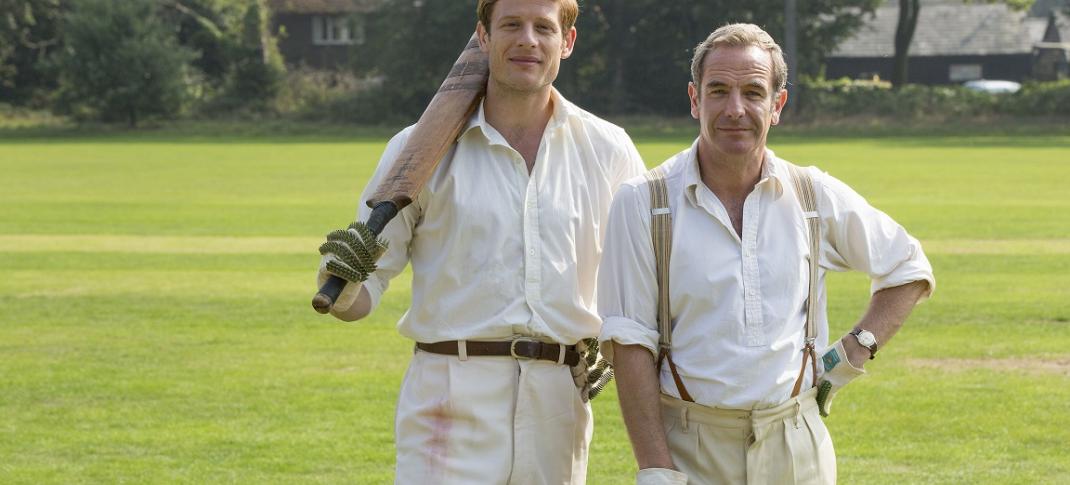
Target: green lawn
{"type": "Point", "coordinates": [155, 322]}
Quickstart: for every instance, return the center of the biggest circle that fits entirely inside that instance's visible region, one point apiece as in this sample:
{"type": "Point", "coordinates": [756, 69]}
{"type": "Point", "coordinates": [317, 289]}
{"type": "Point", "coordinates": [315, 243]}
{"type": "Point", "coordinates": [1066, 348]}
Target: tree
{"type": "Point", "coordinates": [411, 46]}
{"type": "Point", "coordinates": [632, 56]}
{"type": "Point", "coordinates": [643, 48]}
{"type": "Point", "coordinates": [28, 34]}
{"type": "Point", "coordinates": [120, 62]}
{"type": "Point", "coordinates": [904, 33]}
{"type": "Point", "coordinates": [237, 54]}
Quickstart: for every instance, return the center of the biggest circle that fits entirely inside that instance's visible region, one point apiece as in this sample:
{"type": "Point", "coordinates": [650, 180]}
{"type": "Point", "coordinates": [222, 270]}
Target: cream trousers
{"type": "Point", "coordinates": [490, 420]}
{"type": "Point", "coordinates": [787, 444]}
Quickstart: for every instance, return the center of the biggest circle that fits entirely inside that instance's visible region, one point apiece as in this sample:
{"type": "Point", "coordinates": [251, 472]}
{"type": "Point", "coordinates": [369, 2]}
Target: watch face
{"type": "Point", "coordinates": [866, 338]}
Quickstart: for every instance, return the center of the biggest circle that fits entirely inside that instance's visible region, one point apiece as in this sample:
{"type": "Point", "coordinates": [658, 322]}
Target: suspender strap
{"type": "Point", "coordinates": [661, 236]}
{"type": "Point", "coordinates": [804, 191]}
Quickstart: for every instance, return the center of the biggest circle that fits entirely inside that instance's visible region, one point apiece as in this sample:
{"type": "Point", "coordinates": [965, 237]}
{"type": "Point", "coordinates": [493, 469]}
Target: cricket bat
{"type": "Point", "coordinates": [436, 130]}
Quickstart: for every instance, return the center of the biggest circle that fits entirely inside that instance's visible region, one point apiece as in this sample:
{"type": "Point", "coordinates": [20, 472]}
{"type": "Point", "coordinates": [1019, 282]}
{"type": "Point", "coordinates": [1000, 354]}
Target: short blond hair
{"type": "Point", "coordinates": [569, 11]}
{"type": "Point", "coordinates": [741, 35]}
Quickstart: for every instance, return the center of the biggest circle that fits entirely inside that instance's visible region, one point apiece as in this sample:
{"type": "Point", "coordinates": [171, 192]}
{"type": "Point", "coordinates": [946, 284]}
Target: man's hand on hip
{"type": "Point", "coordinates": [838, 371]}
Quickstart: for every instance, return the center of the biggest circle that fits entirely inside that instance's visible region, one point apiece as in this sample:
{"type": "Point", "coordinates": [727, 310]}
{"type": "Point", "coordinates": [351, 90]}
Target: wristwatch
{"type": "Point", "coordinates": [866, 339]}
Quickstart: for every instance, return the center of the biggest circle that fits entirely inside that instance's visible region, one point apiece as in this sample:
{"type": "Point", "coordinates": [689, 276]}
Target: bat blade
{"type": "Point", "coordinates": [439, 125]}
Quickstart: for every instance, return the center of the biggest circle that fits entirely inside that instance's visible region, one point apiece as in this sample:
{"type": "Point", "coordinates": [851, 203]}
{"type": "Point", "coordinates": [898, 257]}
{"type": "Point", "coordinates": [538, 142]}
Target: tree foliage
{"type": "Point", "coordinates": [237, 55]}
{"type": "Point", "coordinates": [120, 62]}
{"type": "Point", "coordinates": [411, 45]}
{"type": "Point", "coordinates": [632, 56]}
{"type": "Point", "coordinates": [647, 45]}
{"type": "Point", "coordinates": [28, 34]}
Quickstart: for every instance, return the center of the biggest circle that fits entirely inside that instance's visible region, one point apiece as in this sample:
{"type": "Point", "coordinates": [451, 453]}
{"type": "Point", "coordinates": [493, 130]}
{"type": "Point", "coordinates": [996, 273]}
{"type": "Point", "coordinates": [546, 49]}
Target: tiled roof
{"type": "Point", "coordinates": [949, 29]}
{"type": "Point", "coordinates": [323, 6]}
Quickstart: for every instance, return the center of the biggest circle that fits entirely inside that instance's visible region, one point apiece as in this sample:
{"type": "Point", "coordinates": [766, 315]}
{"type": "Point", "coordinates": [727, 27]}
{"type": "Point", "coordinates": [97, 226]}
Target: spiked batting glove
{"type": "Point", "coordinates": [593, 372]}
{"type": "Point", "coordinates": [660, 476]}
{"type": "Point", "coordinates": [838, 371]}
{"type": "Point", "coordinates": [579, 371]}
{"type": "Point", "coordinates": [350, 254]}
{"type": "Point", "coordinates": [349, 292]}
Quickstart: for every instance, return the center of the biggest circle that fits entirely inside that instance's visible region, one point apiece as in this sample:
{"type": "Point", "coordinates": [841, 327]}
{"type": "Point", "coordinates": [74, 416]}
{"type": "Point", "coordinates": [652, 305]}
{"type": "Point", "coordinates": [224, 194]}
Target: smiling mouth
{"type": "Point", "coordinates": [525, 60]}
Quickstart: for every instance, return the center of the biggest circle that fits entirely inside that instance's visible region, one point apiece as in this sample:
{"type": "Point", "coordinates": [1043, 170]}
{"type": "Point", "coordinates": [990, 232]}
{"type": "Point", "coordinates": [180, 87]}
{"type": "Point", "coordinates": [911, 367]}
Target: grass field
{"type": "Point", "coordinates": [155, 324]}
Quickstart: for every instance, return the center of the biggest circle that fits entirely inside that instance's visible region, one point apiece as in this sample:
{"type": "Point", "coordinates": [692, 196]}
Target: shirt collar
{"type": "Point", "coordinates": [563, 110]}
{"type": "Point", "coordinates": [772, 172]}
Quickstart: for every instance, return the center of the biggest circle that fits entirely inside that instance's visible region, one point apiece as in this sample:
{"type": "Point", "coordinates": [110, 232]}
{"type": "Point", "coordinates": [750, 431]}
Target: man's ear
{"type": "Point", "coordinates": [569, 44]}
{"type": "Point", "coordinates": [778, 105]}
{"type": "Point", "coordinates": [692, 93]}
{"type": "Point", "coordinates": [484, 37]}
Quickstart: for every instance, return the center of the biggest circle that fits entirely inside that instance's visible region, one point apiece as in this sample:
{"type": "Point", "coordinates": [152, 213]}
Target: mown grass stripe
{"type": "Point", "coordinates": [158, 244]}
{"type": "Point", "coordinates": [103, 243]}
{"type": "Point", "coordinates": [997, 246]}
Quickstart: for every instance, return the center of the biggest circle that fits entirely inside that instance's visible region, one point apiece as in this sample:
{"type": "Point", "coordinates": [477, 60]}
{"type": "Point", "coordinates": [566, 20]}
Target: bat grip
{"type": "Point", "coordinates": [328, 293]}
{"type": "Point", "coordinates": [382, 213]}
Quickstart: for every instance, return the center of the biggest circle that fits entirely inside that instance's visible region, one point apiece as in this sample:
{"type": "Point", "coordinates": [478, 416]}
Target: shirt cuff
{"type": "Point", "coordinates": [626, 331]}
{"type": "Point", "coordinates": [900, 280]}
{"type": "Point", "coordinates": [375, 286]}
{"type": "Point", "coordinates": [916, 268]}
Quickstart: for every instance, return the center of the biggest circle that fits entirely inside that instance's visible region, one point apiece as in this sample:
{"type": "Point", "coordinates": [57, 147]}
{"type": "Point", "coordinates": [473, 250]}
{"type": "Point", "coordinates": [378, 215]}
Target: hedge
{"type": "Point", "coordinates": [846, 97]}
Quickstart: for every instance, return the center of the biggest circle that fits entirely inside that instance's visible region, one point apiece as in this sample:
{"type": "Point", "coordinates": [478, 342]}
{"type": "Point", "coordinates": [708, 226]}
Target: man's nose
{"type": "Point", "coordinates": [527, 37]}
{"type": "Point", "coordinates": [734, 109]}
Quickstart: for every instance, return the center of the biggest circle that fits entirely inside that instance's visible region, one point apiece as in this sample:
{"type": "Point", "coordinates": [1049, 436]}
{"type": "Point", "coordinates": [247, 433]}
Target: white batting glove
{"type": "Point", "coordinates": [838, 371]}
{"type": "Point", "coordinates": [349, 292]}
{"type": "Point", "coordinates": [660, 476]}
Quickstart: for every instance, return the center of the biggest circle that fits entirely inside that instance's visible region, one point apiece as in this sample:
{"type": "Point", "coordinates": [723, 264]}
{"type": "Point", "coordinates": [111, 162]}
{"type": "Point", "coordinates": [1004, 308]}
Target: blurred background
{"type": "Point", "coordinates": [380, 61]}
{"type": "Point", "coordinates": [169, 167]}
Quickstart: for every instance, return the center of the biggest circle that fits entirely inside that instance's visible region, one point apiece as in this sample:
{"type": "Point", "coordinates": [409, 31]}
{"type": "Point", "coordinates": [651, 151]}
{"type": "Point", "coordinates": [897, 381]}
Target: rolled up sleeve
{"type": "Point", "coordinates": [627, 284]}
{"type": "Point", "coordinates": [862, 238]}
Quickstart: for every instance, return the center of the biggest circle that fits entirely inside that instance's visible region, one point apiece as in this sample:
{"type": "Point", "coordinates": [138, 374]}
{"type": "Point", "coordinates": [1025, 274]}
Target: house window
{"type": "Point", "coordinates": [965, 72]}
{"type": "Point", "coordinates": [337, 30]}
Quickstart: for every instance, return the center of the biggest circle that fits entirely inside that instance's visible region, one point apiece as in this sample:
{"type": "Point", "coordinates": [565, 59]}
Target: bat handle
{"type": "Point", "coordinates": [328, 294]}
{"type": "Point", "coordinates": [381, 214]}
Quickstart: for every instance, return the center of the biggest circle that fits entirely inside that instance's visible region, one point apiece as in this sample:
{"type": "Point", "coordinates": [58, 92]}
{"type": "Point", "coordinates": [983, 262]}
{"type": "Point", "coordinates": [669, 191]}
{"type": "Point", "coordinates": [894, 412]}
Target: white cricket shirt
{"type": "Point", "coordinates": [496, 252]}
{"type": "Point", "coordinates": [738, 303]}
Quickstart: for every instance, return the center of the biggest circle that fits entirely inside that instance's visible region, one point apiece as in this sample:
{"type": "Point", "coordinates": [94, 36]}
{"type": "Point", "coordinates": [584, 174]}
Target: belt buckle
{"type": "Point", "coordinates": [512, 348]}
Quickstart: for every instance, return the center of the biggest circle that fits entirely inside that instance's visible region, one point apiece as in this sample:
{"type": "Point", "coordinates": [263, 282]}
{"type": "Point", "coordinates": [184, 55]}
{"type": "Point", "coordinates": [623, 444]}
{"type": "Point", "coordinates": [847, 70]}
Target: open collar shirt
{"type": "Point", "coordinates": [738, 304]}
{"type": "Point", "coordinates": [497, 253]}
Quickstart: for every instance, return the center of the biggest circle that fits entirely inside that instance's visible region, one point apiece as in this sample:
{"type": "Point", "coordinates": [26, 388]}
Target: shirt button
{"type": "Point", "coordinates": [531, 252]}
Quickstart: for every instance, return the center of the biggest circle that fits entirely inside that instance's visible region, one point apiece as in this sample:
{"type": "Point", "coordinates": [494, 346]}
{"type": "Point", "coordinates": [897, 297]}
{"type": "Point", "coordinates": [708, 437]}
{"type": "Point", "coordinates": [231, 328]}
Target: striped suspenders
{"type": "Point", "coordinates": [661, 236]}
{"type": "Point", "coordinates": [804, 192]}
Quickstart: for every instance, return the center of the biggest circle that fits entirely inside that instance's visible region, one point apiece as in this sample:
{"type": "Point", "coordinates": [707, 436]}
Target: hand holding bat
{"type": "Point", "coordinates": [438, 128]}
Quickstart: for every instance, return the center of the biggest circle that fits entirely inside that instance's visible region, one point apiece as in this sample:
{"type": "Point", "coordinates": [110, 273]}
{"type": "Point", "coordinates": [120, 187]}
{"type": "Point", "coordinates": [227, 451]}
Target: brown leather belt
{"type": "Point", "coordinates": [518, 349]}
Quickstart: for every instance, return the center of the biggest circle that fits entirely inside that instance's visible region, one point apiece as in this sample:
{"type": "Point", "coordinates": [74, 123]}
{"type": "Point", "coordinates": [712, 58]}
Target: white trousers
{"type": "Point", "coordinates": [490, 420]}
{"type": "Point", "coordinates": [788, 444]}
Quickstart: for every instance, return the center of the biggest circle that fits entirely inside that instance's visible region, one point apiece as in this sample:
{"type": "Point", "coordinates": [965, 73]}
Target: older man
{"type": "Point", "coordinates": [504, 241]}
{"type": "Point", "coordinates": [726, 391]}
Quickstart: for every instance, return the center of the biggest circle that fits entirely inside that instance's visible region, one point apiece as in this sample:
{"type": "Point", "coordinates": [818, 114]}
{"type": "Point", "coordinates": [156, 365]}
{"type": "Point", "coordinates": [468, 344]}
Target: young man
{"type": "Point", "coordinates": [504, 243]}
{"type": "Point", "coordinates": [733, 401]}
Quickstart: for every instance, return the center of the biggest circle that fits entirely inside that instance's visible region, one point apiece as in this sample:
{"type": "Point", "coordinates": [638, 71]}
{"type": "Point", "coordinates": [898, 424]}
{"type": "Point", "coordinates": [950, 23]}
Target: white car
{"type": "Point", "coordinates": [993, 86]}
